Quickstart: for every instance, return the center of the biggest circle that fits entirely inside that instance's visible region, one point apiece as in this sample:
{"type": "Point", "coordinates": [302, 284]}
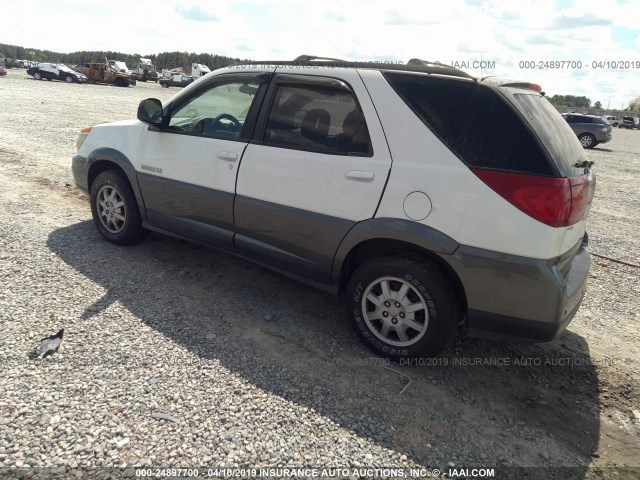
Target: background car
{"type": "Point", "coordinates": [591, 130]}
{"type": "Point", "coordinates": [56, 71]}
{"type": "Point", "coordinates": [630, 122]}
{"type": "Point", "coordinates": [612, 119]}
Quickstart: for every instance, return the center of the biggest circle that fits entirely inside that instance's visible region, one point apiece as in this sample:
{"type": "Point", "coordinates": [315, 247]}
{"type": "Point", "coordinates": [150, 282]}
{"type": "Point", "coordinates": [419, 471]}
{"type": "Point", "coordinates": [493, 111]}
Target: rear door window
{"type": "Point", "coordinates": [317, 118]}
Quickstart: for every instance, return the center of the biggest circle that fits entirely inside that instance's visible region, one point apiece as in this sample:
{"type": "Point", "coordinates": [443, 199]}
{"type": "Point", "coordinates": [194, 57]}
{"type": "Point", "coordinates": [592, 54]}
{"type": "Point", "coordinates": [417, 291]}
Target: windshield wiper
{"type": "Point", "coordinates": [584, 164]}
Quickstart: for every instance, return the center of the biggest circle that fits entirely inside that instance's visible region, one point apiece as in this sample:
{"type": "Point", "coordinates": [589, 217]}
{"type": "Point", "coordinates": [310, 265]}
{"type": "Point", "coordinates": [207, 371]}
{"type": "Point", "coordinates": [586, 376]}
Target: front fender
{"type": "Point", "coordinates": [96, 158]}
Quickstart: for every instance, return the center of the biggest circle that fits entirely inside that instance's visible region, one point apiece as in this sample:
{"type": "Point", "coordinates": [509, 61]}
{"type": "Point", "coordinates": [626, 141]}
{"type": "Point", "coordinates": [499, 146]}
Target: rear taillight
{"type": "Point", "coordinates": [557, 202]}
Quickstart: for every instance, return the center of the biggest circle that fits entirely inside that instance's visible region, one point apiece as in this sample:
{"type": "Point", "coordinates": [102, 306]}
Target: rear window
{"type": "Point", "coordinates": [475, 122]}
{"type": "Point", "coordinates": [554, 133]}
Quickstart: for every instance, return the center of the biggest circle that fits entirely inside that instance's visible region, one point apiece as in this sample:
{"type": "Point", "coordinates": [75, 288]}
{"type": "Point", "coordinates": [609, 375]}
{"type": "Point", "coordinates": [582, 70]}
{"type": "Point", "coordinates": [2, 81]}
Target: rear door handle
{"type": "Point", "coordinates": [359, 176]}
{"type": "Point", "coordinates": [228, 156]}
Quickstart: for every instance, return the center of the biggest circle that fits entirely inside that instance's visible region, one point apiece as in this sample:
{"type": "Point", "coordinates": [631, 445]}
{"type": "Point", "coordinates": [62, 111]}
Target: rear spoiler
{"type": "Point", "coordinates": [530, 86]}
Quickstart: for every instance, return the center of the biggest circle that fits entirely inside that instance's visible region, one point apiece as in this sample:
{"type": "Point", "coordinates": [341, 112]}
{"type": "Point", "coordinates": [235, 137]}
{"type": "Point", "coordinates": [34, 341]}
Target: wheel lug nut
{"type": "Point", "coordinates": [385, 314]}
{"type": "Point", "coordinates": [387, 304]}
{"type": "Point", "coordinates": [394, 320]}
{"type": "Point", "coordinates": [401, 315]}
{"type": "Point", "coordinates": [397, 305]}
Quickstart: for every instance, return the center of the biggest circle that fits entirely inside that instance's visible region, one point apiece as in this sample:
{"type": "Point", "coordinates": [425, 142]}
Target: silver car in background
{"type": "Point", "coordinates": [591, 130]}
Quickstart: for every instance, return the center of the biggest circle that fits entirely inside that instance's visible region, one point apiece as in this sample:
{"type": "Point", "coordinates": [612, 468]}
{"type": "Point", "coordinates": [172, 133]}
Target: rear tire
{"type": "Point", "coordinates": [37, 76]}
{"type": "Point", "coordinates": [115, 209]}
{"type": "Point", "coordinates": [587, 140]}
{"type": "Point", "coordinates": [403, 307]}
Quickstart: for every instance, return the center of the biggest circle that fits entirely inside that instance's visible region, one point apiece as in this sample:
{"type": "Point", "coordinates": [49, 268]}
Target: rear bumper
{"type": "Point", "coordinates": [604, 138]}
{"type": "Point", "coordinates": [518, 298]}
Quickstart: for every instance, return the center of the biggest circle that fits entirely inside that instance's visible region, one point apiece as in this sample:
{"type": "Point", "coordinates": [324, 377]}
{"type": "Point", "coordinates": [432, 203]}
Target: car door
{"type": "Point", "coordinates": [187, 168]}
{"type": "Point", "coordinates": [47, 72]}
{"type": "Point", "coordinates": [316, 166]}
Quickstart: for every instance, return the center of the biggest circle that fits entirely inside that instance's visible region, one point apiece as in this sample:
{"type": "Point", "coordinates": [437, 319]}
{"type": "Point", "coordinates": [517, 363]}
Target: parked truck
{"type": "Point", "coordinates": [146, 71]}
{"type": "Point", "coordinates": [199, 70]}
{"type": "Point", "coordinates": [105, 73]}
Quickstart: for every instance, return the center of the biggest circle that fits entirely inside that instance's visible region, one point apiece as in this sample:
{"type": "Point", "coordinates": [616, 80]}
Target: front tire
{"type": "Point", "coordinates": [403, 307]}
{"type": "Point", "coordinates": [115, 210]}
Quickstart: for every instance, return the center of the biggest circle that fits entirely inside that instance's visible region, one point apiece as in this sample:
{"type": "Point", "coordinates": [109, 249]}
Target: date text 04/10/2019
{"type": "Point", "coordinates": [579, 65]}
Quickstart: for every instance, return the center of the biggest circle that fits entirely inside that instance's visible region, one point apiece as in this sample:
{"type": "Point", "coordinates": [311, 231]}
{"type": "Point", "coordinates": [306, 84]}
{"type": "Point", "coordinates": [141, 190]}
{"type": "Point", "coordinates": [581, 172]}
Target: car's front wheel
{"type": "Point", "coordinates": [68, 79]}
{"type": "Point", "coordinates": [403, 307]}
{"type": "Point", "coordinates": [115, 210]}
{"type": "Point", "coordinates": [587, 140]}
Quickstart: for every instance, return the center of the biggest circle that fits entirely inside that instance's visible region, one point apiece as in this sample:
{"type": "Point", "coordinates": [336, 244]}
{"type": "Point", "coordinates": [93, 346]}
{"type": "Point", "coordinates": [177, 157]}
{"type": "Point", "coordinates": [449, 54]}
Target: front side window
{"type": "Point", "coordinates": [317, 118]}
{"type": "Point", "coordinates": [219, 112]}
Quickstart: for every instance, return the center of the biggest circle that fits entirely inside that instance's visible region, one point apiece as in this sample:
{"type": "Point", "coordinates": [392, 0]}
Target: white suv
{"type": "Point", "coordinates": [430, 198]}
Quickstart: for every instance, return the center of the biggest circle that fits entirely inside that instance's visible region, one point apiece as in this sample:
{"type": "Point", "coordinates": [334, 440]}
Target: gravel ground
{"type": "Point", "coordinates": [254, 369]}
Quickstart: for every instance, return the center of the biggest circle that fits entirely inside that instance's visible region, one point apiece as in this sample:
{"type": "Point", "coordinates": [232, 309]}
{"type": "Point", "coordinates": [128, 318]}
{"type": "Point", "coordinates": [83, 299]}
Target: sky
{"type": "Point", "coordinates": [515, 39]}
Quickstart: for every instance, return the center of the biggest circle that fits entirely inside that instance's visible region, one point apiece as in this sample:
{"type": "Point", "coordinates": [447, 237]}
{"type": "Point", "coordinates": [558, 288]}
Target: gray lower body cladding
{"type": "Point", "coordinates": [518, 298]}
{"type": "Point", "coordinates": [508, 297]}
{"type": "Point", "coordinates": [79, 170]}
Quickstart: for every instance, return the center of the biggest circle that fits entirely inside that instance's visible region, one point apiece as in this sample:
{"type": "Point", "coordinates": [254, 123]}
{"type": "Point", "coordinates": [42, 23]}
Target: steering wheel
{"type": "Point", "coordinates": [215, 123]}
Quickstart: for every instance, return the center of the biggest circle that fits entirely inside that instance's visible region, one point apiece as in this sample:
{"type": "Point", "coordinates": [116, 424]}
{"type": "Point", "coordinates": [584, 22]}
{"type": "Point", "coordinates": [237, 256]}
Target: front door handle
{"type": "Point", "coordinates": [228, 156]}
{"type": "Point", "coordinates": [359, 176]}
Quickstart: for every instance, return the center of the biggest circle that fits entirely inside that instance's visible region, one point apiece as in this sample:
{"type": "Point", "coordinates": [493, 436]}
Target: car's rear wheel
{"type": "Point", "coordinates": [403, 307]}
{"type": "Point", "coordinates": [68, 79]}
{"type": "Point", "coordinates": [165, 85]}
{"type": "Point", "coordinates": [587, 140]}
{"type": "Point", "coordinates": [115, 210]}
{"type": "Point", "coordinates": [37, 76]}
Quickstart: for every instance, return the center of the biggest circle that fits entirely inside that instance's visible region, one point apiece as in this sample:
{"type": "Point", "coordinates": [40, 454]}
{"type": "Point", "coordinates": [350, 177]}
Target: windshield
{"type": "Point", "coordinates": [553, 130]}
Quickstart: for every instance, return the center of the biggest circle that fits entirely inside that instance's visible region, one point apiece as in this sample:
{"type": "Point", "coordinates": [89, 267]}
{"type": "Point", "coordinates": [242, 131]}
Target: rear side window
{"type": "Point", "coordinates": [474, 122]}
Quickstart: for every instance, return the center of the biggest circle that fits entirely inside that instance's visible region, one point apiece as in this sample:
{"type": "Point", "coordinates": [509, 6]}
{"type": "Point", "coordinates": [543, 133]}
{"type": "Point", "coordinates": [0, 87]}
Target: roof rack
{"type": "Point", "coordinates": [312, 58]}
{"type": "Point", "coordinates": [414, 65]}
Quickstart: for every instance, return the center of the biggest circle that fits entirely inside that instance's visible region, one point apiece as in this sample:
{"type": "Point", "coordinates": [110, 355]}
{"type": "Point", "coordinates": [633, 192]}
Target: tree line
{"type": "Point", "coordinates": [166, 60]}
{"type": "Point", "coordinates": [571, 101]}
{"type": "Point", "coordinates": [170, 60]}
{"type": "Point", "coordinates": [585, 102]}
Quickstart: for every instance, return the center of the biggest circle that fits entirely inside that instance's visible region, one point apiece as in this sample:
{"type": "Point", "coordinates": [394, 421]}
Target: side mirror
{"type": "Point", "coordinates": [150, 112]}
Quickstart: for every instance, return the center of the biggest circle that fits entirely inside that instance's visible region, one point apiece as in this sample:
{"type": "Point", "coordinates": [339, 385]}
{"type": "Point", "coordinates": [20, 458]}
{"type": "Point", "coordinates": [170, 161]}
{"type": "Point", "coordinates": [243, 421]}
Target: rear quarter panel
{"type": "Point", "coordinates": [462, 206]}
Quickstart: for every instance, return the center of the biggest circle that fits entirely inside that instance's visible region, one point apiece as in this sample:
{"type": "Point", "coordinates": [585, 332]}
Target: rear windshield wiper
{"type": "Point", "coordinates": [584, 164]}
